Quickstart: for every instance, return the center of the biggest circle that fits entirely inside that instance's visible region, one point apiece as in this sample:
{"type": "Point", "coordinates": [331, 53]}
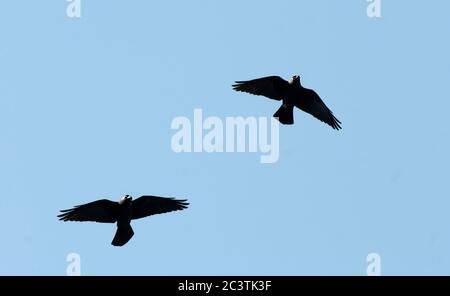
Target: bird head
{"type": "Point", "coordinates": [125, 199]}
{"type": "Point", "coordinates": [295, 80]}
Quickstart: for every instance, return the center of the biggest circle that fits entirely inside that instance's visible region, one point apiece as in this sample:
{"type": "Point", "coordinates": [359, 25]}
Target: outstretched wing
{"type": "Point", "coordinates": [311, 103]}
{"type": "Point", "coordinates": [273, 87]}
{"type": "Point", "coordinates": [103, 211]}
{"type": "Point", "coordinates": [151, 205]}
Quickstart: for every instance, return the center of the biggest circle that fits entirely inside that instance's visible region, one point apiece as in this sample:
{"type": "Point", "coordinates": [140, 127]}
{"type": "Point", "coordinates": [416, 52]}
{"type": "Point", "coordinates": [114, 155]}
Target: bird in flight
{"type": "Point", "coordinates": [291, 93]}
{"type": "Point", "coordinates": [122, 212]}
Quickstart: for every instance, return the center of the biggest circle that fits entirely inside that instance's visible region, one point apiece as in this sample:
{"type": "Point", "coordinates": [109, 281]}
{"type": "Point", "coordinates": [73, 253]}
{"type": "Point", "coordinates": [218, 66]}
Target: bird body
{"type": "Point", "coordinates": [285, 113]}
{"type": "Point", "coordinates": [292, 94]}
{"type": "Point", "coordinates": [122, 212]}
{"type": "Point", "coordinates": [124, 231]}
{"type": "Point", "coordinates": [125, 210]}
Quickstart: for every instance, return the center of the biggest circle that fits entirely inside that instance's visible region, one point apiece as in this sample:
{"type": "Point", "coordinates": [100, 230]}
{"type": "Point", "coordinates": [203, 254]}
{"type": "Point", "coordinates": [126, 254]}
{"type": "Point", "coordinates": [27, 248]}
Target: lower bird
{"type": "Point", "coordinates": [122, 212]}
{"type": "Point", "coordinates": [292, 94]}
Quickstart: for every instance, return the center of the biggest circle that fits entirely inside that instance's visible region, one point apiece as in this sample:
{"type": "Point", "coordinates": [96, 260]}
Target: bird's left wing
{"type": "Point", "coordinates": [311, 103]}
{"type": "Point", "coordinates": [103, 211]}
{"type": "Point", "coordinates": [151, 205]}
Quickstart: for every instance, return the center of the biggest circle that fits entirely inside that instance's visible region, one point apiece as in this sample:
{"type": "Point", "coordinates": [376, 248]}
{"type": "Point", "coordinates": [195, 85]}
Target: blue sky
{"type": "Point", "coordinates": [85, 112]}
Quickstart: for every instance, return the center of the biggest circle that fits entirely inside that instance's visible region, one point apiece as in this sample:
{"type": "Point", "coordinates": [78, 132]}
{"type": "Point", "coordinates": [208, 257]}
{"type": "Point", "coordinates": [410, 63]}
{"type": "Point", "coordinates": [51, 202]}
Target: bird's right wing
{"type": "Point", "coordinates": [313, 104]}
{"type": "Point", "coordinates": [151, 205]}
{"type": "Point", "coordinates": [104, 211]}
{"type": "Point", "coordinates": [273, 87]}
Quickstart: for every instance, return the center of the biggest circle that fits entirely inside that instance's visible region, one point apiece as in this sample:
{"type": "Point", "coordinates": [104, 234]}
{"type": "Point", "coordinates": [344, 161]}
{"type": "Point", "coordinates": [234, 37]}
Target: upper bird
{"type": "Point", "coordinates": [122, 212]}
{"type": "Point", "coordinates": [291, 93]}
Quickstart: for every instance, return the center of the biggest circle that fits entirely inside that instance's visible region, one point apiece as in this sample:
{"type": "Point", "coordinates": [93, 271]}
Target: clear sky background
{"type": "Point", "coordinates": [85, 112]}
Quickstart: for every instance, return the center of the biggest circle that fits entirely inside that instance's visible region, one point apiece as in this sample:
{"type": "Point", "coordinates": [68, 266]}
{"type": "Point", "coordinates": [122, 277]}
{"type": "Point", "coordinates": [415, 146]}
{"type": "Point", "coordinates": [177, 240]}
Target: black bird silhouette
{"type": "Point", "coordinates": [122, 212]}
{"type": "Point", "coordinates": [291, 93]}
